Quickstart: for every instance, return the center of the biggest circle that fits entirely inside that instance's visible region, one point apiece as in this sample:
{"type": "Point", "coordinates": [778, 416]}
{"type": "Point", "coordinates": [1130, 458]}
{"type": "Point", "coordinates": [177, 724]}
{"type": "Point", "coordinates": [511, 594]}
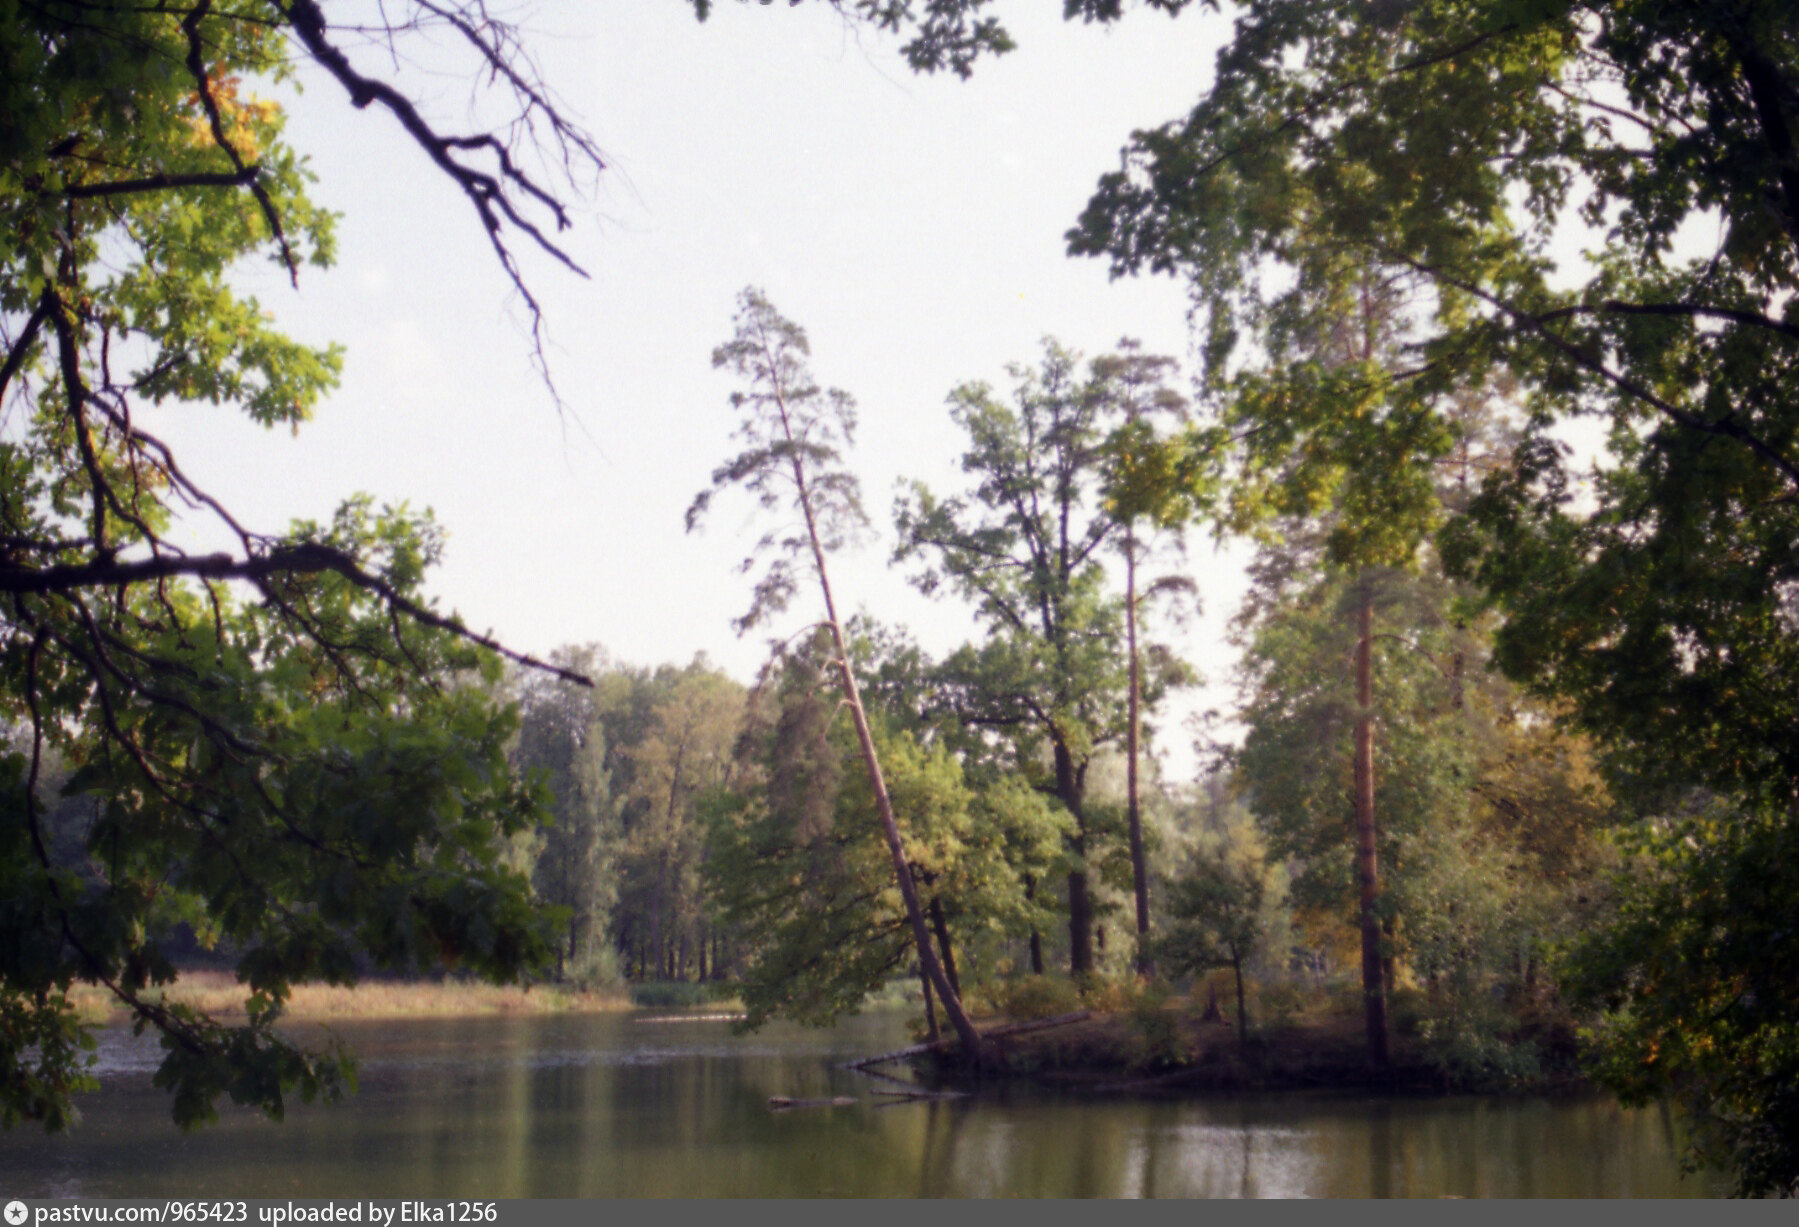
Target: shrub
{"type": "Point", "coordinates": [594, 968]}
{"type": "Point", "coordinates": [671, 994]}
{"type": "Point", "coordinates": [1031, 997]}
{"type": "Point", "coordinates": [1278, 1005]}
{"type": "Point", "coordinates": [1473, 1043]}
{"type": "Point", "coordinates": [1103, 995]}
{"type": "Point", "coordinates": [1157, 1028]}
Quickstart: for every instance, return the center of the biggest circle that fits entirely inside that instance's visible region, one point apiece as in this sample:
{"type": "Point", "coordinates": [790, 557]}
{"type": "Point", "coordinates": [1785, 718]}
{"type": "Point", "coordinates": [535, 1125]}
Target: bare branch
{"type": "Point", "coordinates": [1753, 319]}
{"type": "Point", "coordinates": [491, 195]}
{"type": "Point", "coordinates": [156, 183]}
{"type": "Point", "coordinates": [15, 357]}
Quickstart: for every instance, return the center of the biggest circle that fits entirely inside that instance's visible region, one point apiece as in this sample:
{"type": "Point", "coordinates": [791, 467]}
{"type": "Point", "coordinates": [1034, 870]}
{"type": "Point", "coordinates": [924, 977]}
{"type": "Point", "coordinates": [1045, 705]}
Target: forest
{"type": "Point", "coordinates": [1497, 372]}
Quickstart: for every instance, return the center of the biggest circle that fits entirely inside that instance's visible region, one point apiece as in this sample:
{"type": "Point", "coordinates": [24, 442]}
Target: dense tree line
{"type": "Point", "coordinates": [984, 758]}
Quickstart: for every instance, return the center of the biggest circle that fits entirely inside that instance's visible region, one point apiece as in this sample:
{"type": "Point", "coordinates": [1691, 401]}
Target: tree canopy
{"type": "Point", "coordinates": [1466, 151]}
{"type": "Point", "coordinates": [1024, 546]}
{"type": "Point", "coordinates": [1465, 147]}
{"type": "Point", "coordinates": [288, 749]}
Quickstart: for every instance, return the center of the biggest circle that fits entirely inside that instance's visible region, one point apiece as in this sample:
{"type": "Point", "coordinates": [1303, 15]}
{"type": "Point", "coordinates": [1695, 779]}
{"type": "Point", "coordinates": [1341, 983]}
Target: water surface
{"type": "Point", "coordinates": [612, 1106]}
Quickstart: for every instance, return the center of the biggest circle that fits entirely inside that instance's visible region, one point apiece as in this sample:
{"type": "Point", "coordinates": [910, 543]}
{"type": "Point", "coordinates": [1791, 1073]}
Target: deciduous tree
{"type": "Point", "coordinates": [685, 752]}
{"type": "Point", "coordinates": [276, 734]}
{"type": "Point", "coordinates": [562, 745]}
{"type": "Point", "coordinates": [1024, 546]}
{"type": "Point", "coordinates": [1220, 911]}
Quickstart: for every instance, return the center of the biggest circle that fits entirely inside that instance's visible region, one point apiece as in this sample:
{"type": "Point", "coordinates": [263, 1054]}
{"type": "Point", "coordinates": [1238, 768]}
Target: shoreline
{"type": "Point", "coordinates": [1116, 1054]}
{"type": "Point", "coordinates": [1110, 1053]}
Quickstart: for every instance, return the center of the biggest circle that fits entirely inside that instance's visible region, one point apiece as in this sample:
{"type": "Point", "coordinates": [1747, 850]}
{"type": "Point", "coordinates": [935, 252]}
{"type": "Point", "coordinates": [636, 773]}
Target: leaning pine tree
{"type": "Point", "coordinates": [793, 432]}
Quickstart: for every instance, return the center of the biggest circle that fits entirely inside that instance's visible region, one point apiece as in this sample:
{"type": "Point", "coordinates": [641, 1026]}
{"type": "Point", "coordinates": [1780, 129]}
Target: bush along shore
{"type": "Point", "coordinates": [1126, 1037]}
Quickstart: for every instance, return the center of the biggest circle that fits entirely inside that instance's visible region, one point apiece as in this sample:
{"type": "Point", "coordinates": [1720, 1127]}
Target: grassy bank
{"type": "Point", "coordinates": [218, 993]}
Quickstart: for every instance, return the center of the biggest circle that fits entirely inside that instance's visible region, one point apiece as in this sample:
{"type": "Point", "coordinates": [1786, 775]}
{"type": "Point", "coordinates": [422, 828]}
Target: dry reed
{"type": "Point", "coordinates": [218, 993]}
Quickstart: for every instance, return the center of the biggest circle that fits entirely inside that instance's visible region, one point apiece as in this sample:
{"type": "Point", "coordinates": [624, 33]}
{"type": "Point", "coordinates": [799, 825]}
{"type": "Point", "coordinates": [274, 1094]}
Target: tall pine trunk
{"type": "Point", "coordinates": [1242, 1008]}
{"type": "Point", "coordinates": [1374, 994]}
{"type": "Point", "coordinates": [656, 942]}
{"type": "Point", "coordinates": [871, 760]}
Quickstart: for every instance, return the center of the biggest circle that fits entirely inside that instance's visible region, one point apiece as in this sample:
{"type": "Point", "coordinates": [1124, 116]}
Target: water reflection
{"type": "Point", "coordinates": [599, 1106]}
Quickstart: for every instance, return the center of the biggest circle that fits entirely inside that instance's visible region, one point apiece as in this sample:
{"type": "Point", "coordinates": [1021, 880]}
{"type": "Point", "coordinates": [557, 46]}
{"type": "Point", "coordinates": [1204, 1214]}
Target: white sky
{"type": "Point", "coordinates": [912, 225]}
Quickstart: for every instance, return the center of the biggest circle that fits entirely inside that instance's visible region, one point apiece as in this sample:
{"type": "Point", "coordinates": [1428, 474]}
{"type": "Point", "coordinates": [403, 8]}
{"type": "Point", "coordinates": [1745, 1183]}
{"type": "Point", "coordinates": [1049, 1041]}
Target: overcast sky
{"type": "Point", "coordinates": [912, 225]}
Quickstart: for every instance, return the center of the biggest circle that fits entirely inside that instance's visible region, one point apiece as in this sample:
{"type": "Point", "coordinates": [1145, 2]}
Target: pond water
{"type": "Point", "coordinates": [615, 1106]}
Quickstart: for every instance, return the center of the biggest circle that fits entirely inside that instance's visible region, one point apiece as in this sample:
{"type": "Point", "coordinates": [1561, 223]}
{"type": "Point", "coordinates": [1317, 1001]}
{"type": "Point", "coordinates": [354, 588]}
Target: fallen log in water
{"type": "Point", "coordinates": [898, 1054]}
{"type": "Point", "coordinates": [916, 1050]}
{"type": "Point", "coordinates": [786, 1101]}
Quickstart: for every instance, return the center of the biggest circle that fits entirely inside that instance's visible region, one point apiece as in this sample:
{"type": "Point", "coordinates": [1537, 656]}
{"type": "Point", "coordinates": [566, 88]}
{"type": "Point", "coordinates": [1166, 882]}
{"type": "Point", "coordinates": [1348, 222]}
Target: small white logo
{"type": "Point", "coordinates": [16, 1212]}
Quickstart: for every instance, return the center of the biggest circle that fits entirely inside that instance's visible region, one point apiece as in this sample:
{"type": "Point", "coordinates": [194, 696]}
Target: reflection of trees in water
{"type": "Point", "coordinates": [594, 1107]}
{"type": "Point", "coordinates": [1084, 1148]}
{"type": "Point", "coordinates": [943, 1129]}
{"type": "Point", "coordinates": [1380, 1151]}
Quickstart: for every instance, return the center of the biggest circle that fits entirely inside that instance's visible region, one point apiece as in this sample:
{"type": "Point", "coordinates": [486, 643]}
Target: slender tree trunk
{"type": "Point", "coordinates": [941, 927]}
{"type": "Point", "coordinates": [1374, 995]}
{"type": "Point", "coordinates": [1133, 805]}
{"type": "Point", "coordinates": [1080, 907]}
{"type": "Point", "coordinates": [1030, 895]}
{"type": "Point", "coordinates": [902, 872]}
{"type": "Point", "coordinates": [930, 1010]}
{"type": "Point", "coordinates": [656, 901]}
{"type": "Point", "coordinates": [662, 891]}
{"type": "Point", "coordinates": [1242, 1010]}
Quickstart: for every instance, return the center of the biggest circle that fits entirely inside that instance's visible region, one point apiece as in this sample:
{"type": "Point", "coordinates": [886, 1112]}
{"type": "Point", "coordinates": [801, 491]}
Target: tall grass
{"type": "Point", "coordinates": [218, 993]}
